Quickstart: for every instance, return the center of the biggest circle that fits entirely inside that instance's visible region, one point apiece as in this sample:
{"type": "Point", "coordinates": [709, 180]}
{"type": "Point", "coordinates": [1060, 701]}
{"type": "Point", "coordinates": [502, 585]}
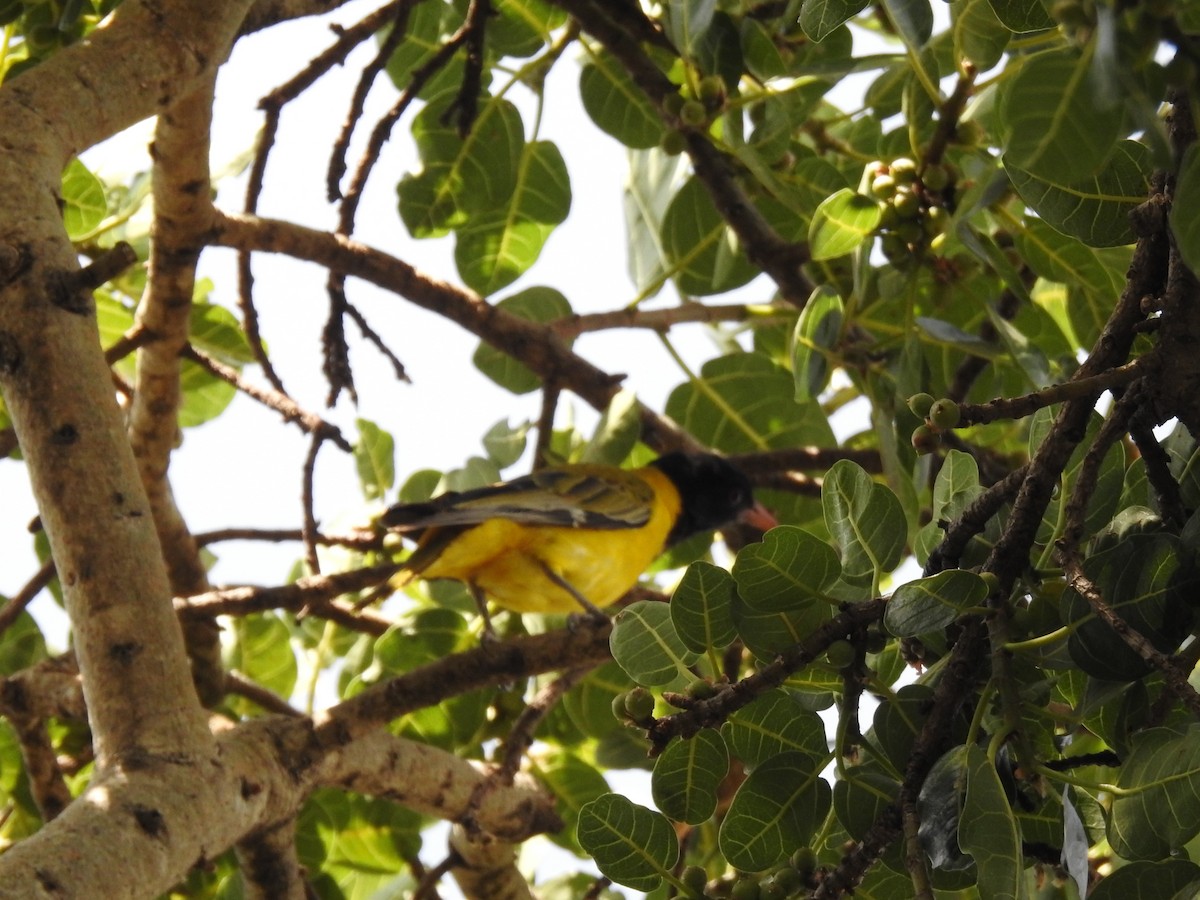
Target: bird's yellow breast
{"type": "Point", "coordinates": [508, 560]}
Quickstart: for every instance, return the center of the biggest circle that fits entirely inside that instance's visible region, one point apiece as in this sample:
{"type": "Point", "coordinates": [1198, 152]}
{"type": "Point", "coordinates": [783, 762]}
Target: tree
{"type": "Point", "coordinates": [1003, 234]}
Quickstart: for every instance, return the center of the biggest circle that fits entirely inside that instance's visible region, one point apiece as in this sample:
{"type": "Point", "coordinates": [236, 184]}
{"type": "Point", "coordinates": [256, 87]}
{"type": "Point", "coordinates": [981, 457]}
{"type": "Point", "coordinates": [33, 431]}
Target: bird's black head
{"type": "Point", "coordinates": [713, 492]}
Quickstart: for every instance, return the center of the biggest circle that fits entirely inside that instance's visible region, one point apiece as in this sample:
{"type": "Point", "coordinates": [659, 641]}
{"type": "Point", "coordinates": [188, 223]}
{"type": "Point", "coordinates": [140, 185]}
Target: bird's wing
{"type": "Point", "coordinates": [579, 496]}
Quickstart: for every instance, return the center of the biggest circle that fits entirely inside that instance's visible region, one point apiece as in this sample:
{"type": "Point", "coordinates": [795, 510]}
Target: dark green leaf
{"type": "Point", "coordinates": [866, 520]}
{"type": "Point", "coordinates": [646, 645]}
{"type": "Point", "coordinates": [1059, 125]}
{"type": "Point", "coordinates": [988, 831]}
{"type": "Point", "coordinates": [773, 724]}
{"type": "Point", "coordinates": [687, 22]}
{"type": "Point", "coordinates": [820, 18]}
{"type": "Point", "coordinates": [777, 809]}
{"type": "Point", "coordinates": [1163, 773]}
{"type": "Point", "coordinates": [978, 35]}
{"type": "Point", "coordinates": [703, 252]}
{"type": "Point", "coordinates": [818, 330]}
{"type": "Point", "coordinates": [1185, 224]}
{"type": "Point", "coordinates": [616, 105]}
{"type": "Point", "coordinates": [701, 607]}
{"type": "Point", "coordinates": [632, 845]}
{"type": "Point", "coordinates": [788, 567]}
{"type": "Point", "coordinates": [1146, 880]}
{"type": "Point", "coordinates": [687, 775]}
{"type": "Point", "coordinates": [1095, 210]}
{"type": "Point", "coordinates": [538, 304]}
{"type": "Point", "coordinates": [1022, 16]}
{"type": "Point", "coordinates": [929, 604]}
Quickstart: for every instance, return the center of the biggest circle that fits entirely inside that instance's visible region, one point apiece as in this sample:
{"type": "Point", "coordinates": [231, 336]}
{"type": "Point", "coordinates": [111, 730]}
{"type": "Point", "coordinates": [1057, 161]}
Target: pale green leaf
{"type": "Point", "coordinates": [842, 223]}
{"type": "Point", "coordinates": [84, 205]}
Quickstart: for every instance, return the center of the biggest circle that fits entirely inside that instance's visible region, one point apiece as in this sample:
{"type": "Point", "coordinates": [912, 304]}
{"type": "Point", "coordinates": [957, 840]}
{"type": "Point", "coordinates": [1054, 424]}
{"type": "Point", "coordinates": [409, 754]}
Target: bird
{"type": "Point", "coordinates": [574, 537]}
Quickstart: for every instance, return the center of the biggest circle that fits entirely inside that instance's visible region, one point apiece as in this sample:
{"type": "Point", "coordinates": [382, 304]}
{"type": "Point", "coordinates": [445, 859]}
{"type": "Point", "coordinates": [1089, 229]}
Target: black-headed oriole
{"type": "Point", "coordinates": [574, 536]}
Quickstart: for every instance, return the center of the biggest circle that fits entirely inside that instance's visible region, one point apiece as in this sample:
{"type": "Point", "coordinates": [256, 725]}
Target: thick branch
{"type": "Point", "coordinates": [182, 212]}
{"type": "Point", "coordinates": [56, 384]}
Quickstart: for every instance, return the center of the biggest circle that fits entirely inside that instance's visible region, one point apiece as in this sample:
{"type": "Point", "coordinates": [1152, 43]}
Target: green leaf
{"type": "Point", "coordinates": [649, 190]}
{"type": "Point", "coordinates": [84, 205]}
{"type": "Point", "coordinates": [978, 35]}
{"type": "Point", "coordinates": [1022, 16]}
{"type": "Point", "coordinates": [204, 396]}
{"type": "Point", "coordinates": [687, 22]}
{"type": "Point", "coordinates": [930, 604]}
{"type": "Point", "coordinates": [353, 846]}
{"type": "Point", "coordinates": [766, 632]}
{"type": "Point", "coordinates": [214, 330]}
{"type": "Point", "coordinates": [461, 177]}
{"type": "Point", "coordinates": [820, 18]}
{"type": "Point", "coordinates": [1094, 277]}
{"type": "Point", "coordinates": [773, 724]}
{"type": "Point", "coordinates": [866, 520]}
{"type": "Point", "coordinates": [497, 247]}
{"type": "Point", "coordinates": [21, 644]}
{"type": "Point", "coordinates": [617, 432]}
{"type": "Point", "coordinates": [646, 645]}
{"type": "Point", "coordinates": [701, 607]}
{"type": "Point", "coordinates": [1144, 577]}
{"type": "Point", "coordinates": [1058, 123]}
{"type": "Point", "coordinates": [913, 19]}
{"type": "Point", "coordinates": [842, 223]}
{"type": "Point", "coordinates": [262, 651]}
{"type": "Point", "coordinates": [617, 105]}
{"type": "Point", "coordinates": [632, 845]}
{"type": "Point", "coordinates": [1146, 880]}
{"type": "Point", "coordinates": [701, 248]}
{"type": "Point", "coordinates": [537, 304]}
{"type": "Point", "coordinates": [687, 775]}
{"type": "Point", "coordinates": [1095, 210]}
{"type": "Point", "coordinates": [777, 809]}
{"type": "Point", "coordinates": [897, 721]}
{"type": "Point", "coordinates": [1163, 771]}
{"type": "Point", "coordinates": [589, 703]}
{"type": "Point", "coordinates": [1185, 224]}
{"type": "Point", "coordinates": [861, 796]}
{"type": "Point", "coordinates": [505, 443]}
{"type": "Point", "coordinates": [574, 784]}
{"type": "Point", "coordinates": [988, 831]}
{"type": "Point", "coordinates": [422, 40]}
{"type": "Point", "coordinates": [745, 401]}
{"type": "Point", "coordinates": [787, 567]}
{"type": "Point", "coordinates": [374, 458]}
{"type": "Point", "coordinates": [818, 330]}
{"type": "Point", "coordinates": [522, 27]}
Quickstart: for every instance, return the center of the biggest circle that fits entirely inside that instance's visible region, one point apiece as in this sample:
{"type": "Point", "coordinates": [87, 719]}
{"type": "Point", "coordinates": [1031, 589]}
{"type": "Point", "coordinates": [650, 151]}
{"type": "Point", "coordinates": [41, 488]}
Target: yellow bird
{"type": "Point", "coordinates": [571, 537]}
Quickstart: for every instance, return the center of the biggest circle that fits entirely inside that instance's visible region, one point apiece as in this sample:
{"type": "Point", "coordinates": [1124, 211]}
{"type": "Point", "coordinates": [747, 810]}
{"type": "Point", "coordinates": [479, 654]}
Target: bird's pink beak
{"type": "Point", "coordinates": [759, 517]}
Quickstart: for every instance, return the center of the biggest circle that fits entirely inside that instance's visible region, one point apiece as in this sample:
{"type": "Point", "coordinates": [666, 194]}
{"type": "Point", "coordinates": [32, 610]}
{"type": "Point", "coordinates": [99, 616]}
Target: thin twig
{"type": "Point", "coordinates": [270, 398]}
{"type": "Point", "coordinates": [1020, 407]}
